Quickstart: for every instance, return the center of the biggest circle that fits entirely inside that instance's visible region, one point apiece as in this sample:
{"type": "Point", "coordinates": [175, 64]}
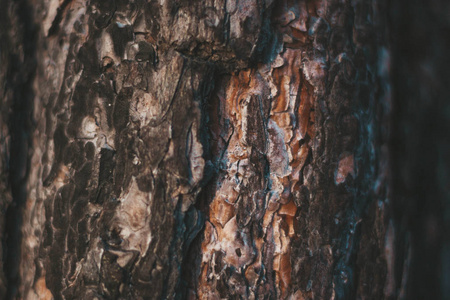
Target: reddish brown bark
{"type": "Point", "coordinates": [221, 149]}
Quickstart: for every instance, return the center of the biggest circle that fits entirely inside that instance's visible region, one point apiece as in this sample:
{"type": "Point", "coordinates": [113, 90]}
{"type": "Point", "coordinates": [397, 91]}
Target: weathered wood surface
{"type": "Point", "coordinates": [203, 150]}
{"type": "Point", "coordinates": [141, 105]}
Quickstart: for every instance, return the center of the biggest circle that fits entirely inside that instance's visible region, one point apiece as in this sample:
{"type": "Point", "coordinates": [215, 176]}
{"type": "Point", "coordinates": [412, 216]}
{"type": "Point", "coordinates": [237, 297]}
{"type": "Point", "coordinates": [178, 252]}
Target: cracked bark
{"type": "Point", "coordinates": [208, 150]}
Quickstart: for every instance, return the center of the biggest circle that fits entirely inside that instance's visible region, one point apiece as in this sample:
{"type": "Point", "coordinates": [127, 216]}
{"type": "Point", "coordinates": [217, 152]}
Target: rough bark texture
{"type": "Point", "coordinates": [293, 195]}
{"type": "Point", "coordinates": [223, 149]}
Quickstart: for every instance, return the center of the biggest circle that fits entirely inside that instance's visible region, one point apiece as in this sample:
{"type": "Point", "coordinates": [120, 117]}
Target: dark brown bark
{"type": "Point", "coordinates": [17, 73]}
{"type": "Point", "coordinates": [223, 150]}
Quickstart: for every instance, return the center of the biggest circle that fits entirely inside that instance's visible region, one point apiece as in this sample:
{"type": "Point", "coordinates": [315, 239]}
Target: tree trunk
{"type": "Point", "coordinates": [227, 149]}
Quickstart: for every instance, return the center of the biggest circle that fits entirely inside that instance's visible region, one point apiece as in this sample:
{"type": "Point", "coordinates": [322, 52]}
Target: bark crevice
{"type": "Point", "coordinates": [22, 63]}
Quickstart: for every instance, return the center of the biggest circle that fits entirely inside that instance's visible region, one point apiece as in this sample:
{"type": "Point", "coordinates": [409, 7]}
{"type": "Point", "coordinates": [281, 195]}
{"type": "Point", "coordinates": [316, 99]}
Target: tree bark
{"type": "Point", "coordinates": [226, 149]}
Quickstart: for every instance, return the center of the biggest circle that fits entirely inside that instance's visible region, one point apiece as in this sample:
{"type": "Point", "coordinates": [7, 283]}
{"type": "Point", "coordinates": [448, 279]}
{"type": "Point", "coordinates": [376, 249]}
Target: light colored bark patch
{"type": "Point", "coordinates": [346, 167]}
{"type": "Point", "coordinates": [133, 218]}
{"type": "Point", "coordinates": [43, 293]}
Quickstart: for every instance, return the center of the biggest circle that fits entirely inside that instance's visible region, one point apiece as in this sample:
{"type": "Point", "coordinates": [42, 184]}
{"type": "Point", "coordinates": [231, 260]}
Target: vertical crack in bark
{"type": "Point", "coordinates": [21, 72]}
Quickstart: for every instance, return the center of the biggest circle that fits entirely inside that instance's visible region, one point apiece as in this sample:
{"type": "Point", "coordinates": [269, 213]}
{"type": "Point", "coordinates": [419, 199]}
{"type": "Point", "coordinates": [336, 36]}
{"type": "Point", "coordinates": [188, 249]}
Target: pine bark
{"type": "Point", "coordinates": [217, 149]}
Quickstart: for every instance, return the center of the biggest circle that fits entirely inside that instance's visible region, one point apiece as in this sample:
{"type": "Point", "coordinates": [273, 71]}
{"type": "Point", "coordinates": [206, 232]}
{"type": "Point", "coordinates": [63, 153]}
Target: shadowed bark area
{"type": "Point", "coordinates": [420, 162]}
{"type": "Point", "coordinates": [17, 74]}
{"type": "Point", "coordinates": [223, 149]}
